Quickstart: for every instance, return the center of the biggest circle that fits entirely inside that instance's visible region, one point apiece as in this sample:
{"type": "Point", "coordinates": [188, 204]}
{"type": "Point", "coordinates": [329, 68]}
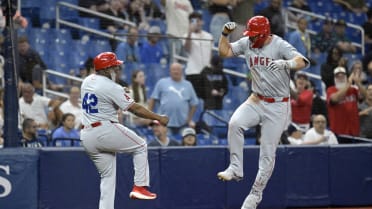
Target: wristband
{"type": "Point", "coordinates": [292, 64]}
{"type": "Point", "coordinates": [224, 34]}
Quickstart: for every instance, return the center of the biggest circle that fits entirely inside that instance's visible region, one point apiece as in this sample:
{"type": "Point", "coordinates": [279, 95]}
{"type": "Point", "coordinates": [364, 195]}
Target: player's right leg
{"type": "Point", "coordinates": [106, 166]}
{"type": "Point", "coordinates": [274, 122]}
{"type": "Point", "coordinates": [244, 117]}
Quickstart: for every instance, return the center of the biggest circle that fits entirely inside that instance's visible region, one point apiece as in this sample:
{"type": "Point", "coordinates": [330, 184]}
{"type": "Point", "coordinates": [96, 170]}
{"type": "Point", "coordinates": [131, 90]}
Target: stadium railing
{"type": "Point", "coordinates": [360, 45]}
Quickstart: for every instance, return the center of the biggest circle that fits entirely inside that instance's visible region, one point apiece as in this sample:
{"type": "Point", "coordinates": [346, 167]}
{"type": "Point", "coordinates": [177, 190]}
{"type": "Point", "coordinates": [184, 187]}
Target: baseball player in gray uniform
{"type": "Point", "coordinates": [102, 134]}
{"type": "Point", "coordinates": [270, 59]}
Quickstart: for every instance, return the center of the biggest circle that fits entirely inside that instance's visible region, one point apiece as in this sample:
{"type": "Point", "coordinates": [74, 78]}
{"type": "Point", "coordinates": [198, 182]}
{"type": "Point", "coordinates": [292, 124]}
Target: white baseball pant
{"type": "Point", "coordinates": [102, 143]}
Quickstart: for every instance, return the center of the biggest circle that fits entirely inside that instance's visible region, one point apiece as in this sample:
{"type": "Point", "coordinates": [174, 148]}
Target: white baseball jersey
{"type": "Point", "coordinates": [267, 82]}
{"type": "Point", "coordinates": [101, 98]}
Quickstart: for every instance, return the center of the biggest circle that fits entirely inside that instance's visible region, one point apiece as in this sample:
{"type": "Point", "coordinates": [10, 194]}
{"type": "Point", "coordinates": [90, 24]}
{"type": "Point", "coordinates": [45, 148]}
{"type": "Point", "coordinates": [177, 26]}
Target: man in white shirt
{"type": "Point", "coordinates": [318, 134]}
{"type": "Point", "coordinates": [177, 13]}
{"type": "Point", "coordinates": [198, 46]}
{"type": "Point", "coordinates": [73, 106]}
{"type": "Point", "coordinates": [43, 110]}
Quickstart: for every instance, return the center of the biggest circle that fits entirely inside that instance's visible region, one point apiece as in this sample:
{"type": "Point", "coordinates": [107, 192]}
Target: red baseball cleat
{"type": "Point", "coordinates": [141, 192]}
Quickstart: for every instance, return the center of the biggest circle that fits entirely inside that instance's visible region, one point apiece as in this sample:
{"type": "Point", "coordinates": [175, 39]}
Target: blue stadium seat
{"type": "Point", "coordinates": [159, 22]}
{"type": "Point", "coordinates": [98, 46]}
{"type": "Point", "coordinates": [93, 23]}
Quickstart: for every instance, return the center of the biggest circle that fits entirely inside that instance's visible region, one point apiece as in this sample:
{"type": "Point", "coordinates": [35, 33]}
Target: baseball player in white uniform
{"type": "Point", "coordinates": [270, 59]}
{"type": "Point", "coordinates": [102, 134]}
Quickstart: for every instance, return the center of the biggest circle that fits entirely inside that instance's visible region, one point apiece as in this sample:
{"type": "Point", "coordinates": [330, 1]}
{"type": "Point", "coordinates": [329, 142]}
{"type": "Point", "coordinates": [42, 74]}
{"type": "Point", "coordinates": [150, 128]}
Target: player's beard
{"type": "Point", "coordinates": [113, 76]}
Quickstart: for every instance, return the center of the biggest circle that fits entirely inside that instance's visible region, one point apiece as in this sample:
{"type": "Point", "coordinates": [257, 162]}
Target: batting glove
{"type": "Point", "coordinates": [282, 65]}
{"type": "Point", "coordinates": [229, 27]}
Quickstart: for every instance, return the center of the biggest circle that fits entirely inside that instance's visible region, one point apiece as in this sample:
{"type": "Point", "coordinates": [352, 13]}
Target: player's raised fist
{"type": "Point", "coordinates": [229, 27]}
{"type": "Point", "coordinates": [164, 120]}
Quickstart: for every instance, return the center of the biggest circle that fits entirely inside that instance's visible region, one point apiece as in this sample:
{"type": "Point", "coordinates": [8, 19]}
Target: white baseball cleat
{"type": "Point", "coordinates": [228, 175]}
{"type": "Point", "coordinates": [251, 201]}
{"type": "Point", "coordinates": [141, 192]}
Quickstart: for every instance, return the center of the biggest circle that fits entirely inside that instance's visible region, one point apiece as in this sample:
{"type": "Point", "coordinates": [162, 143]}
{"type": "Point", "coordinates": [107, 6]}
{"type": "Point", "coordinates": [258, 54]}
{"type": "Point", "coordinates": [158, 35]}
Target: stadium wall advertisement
{"type": "Point", "coordinates": [185, 178]}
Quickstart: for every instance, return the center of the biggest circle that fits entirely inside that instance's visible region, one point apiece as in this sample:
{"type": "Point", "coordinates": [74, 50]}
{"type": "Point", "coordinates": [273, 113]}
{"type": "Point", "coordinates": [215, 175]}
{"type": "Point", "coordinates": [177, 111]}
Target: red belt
{"type": "Point", "coordinates": [95, 124]}
{"type": "Point", "coordinates": [271, 99]}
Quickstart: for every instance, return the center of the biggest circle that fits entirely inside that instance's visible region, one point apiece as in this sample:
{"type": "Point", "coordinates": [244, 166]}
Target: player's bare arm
{"type": "Point", "coordinates": [300, 63]}
{"type": "Point", "coordinates": [151, 104]}
{"type": "Point", "coordinates": [224, 47]}
{"type": "Point", "coordinates": [142, 112]}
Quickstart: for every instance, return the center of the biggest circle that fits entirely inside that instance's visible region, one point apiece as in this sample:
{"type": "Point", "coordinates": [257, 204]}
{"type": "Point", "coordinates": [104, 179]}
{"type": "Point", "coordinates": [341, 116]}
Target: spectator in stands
{"type": "Point", "coordinates": [293, 16]}
{"type": "Point", "coordinates": [176, 14]}
{"type": "Point", "coordinates": [137, 14]}
{"type": "Point", "coordinates": [198, 46]}
{"type": "Point", "coordinates": [161, 136]}
{"type": "Point", "coordinates": [220, 12]}
{"type": "Point", "coordinates": [365, 115]}
{"type": "Point", "coordinates": [325, 40]}
{"type": "Point", "coordinates": [66, 130]}
{"type": "Point", "coordinates": [369, 72]}
{"type": "Point", "coordinates": [357, 65]}
{"type": "Point", "coordinates": [86, 69]}
{"type": "Point", "coordinates": [301, 101]}
{"type": "Point", "coordinates": [319, 104]}
{"type": "Point", "coordinates": [32, 105]}
{"type": "Point", "coordinates": [295, 135]}
{"type": "Point", "coordinates": [300, 38]}
{"type": "Point", "coordinates": [240, 13]}
{"type": "Point", "coordinates": [1, 142]}
{"type": "Point", "coordinates": [343, 42]}
{"type": "Point", "coordinates": [73, 106]}
{"type": "Point", "coordinates": [29, 134]}
{"type": "Point", "coordinates": [276, 14]}
{"type": "Point", "coordinates": [189, 137]}
{"type": "Point", "coordinates": [152, 10]}
{"type": "Point", "coordinates": [139, 93]}
{"type": "Point", "coordinates": [129, 51]}
{"type": "Point", "coordinates": [177, 99]}
{"type": "Point", "coordinates": [213, 83]}
{"type": "Point", "coordinates": [94, 5]}
{"type": "Point", "coordinates": [112, 26]}
{"type": "Point", "coordinates": [318, 134]}
{"type": "Point", "coordinates": [367, 26]}
{"type": "Point", "coordinates": [334, 59]}
{"type": "Point", "coordinates": [358, 6]}
{"type": "Point", "coordinates": [151, 50]}
{"type": "Point", "coordinates": [30, 64]}
{"type": "Point", "coordinates": [342, 103]}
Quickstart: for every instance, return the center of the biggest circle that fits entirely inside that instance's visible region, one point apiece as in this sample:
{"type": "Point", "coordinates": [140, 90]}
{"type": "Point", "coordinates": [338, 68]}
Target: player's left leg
{"type": "Point", "coordinates": [247, 115]}
{"type": "Point", "coordinates": [274, 122]}
{"type": "Point", "coordinates": [128, 141]}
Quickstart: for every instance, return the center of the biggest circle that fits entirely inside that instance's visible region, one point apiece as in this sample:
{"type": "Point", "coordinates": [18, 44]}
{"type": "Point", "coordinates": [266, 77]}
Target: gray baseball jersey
{"type": "Point", "coordinates": [270, 83]}
{"type": "Point", "coordinates": [103, 136]}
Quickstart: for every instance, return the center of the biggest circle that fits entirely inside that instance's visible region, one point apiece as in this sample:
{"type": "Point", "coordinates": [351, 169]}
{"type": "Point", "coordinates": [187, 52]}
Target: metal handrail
{"type": "Point", "coordinates": [80, 27]}
{"type": "Point", "coordinates": [63, 75]}
{"type": "Point", "coordinates": [82, 9]}
{"type": "Point", "coordinates": [357, 27]}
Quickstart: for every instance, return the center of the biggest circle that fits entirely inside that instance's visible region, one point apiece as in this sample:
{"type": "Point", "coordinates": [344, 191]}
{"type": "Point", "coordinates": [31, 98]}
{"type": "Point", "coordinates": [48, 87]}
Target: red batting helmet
{"type": "Point", "coordinates": [258, 27]}
{"type": "Point", "coordinates": [105, 60]}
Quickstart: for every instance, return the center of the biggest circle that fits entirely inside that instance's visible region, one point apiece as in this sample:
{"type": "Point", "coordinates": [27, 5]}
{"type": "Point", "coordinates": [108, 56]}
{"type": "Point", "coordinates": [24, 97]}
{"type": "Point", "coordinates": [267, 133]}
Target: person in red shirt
{"type": "Point", "coordinates": [301, 101]}
{"type": "Point", "coordinates": [342, 102]}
